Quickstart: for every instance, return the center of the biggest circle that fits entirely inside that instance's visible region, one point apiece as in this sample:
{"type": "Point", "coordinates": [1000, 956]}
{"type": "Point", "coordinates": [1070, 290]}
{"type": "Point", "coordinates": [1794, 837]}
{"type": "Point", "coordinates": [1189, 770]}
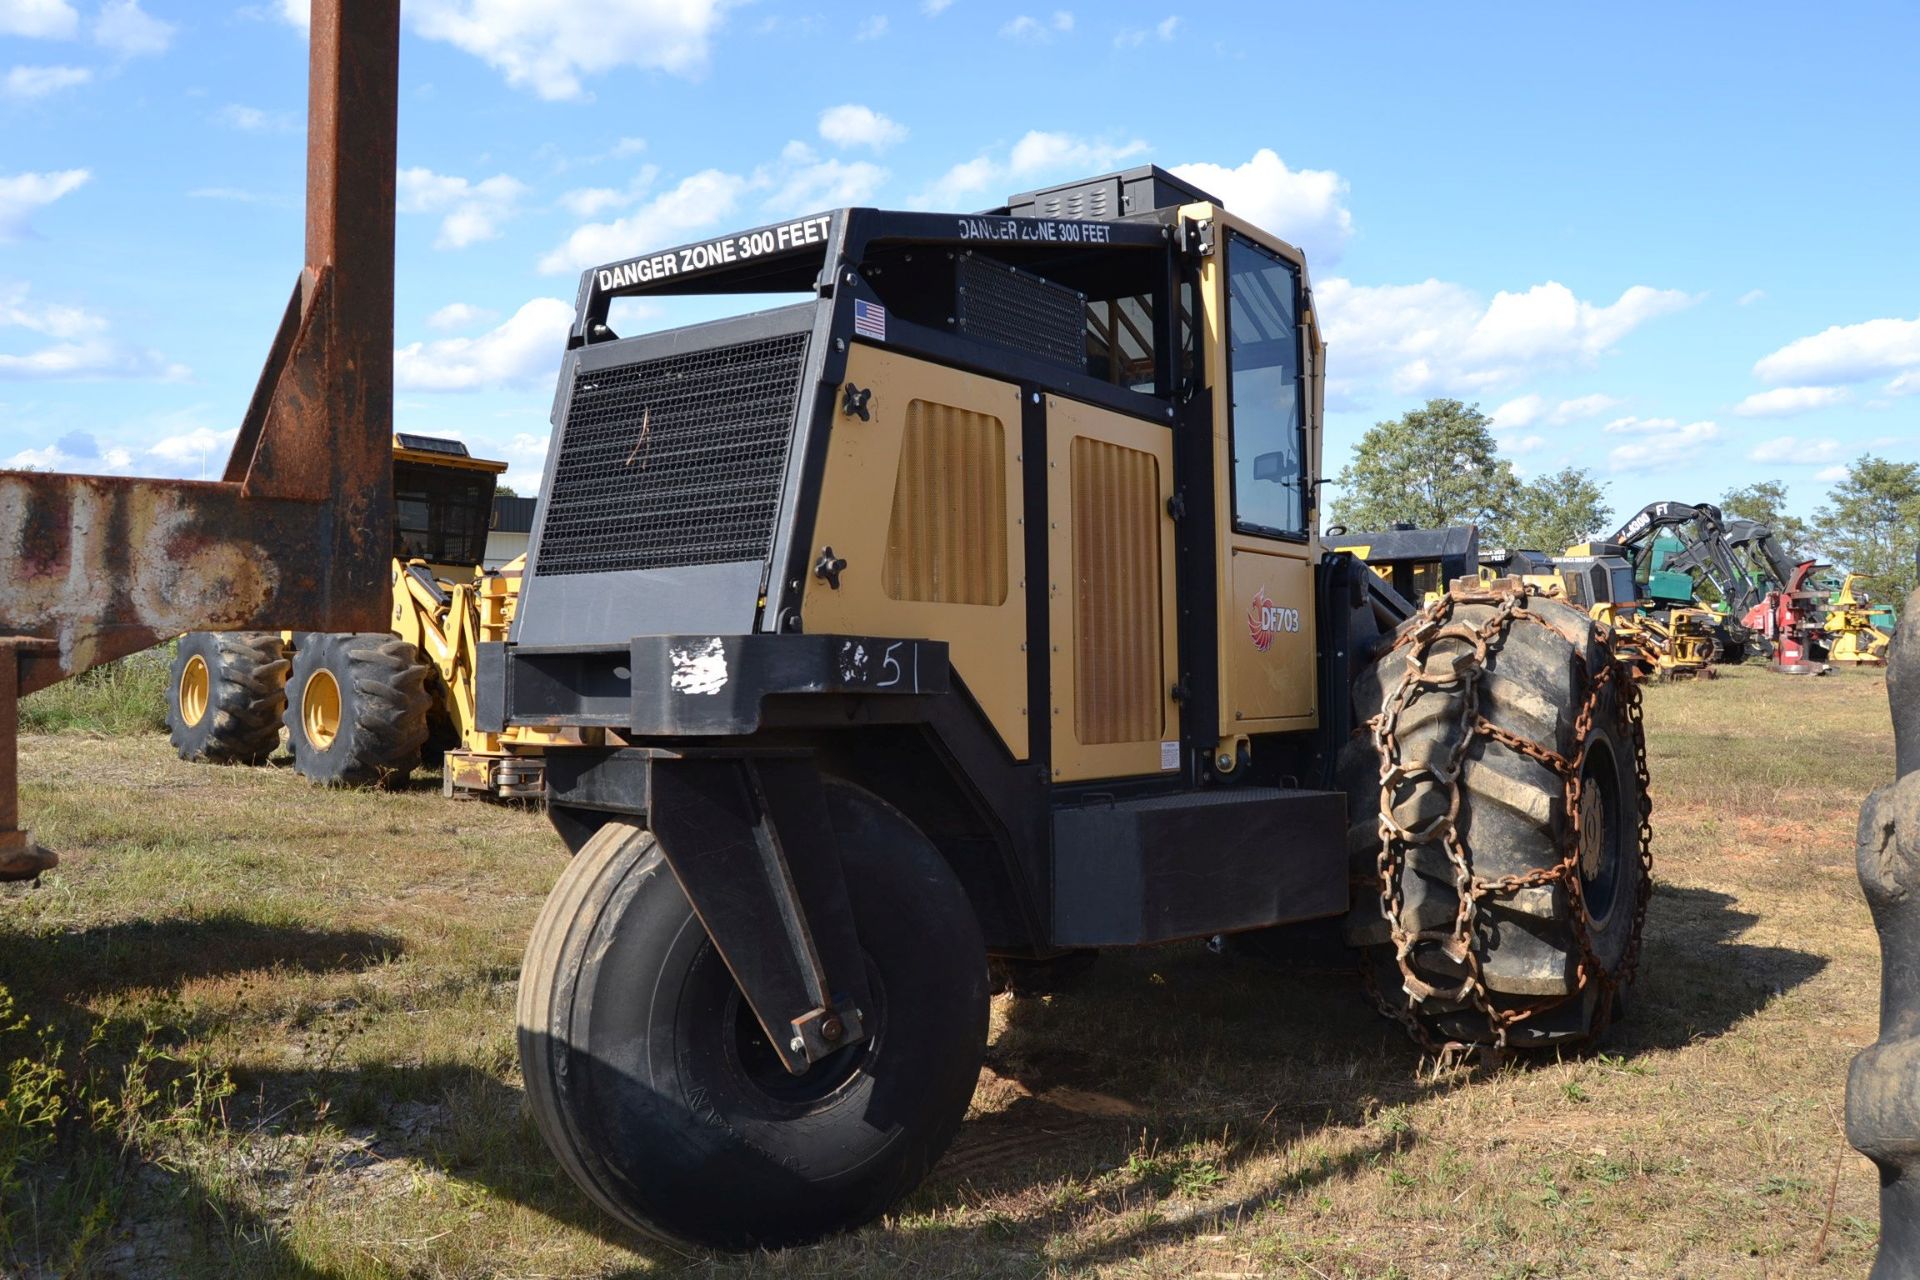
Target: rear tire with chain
{"type": "Point", "coordinates": [225, 693]}
{"type": "Point", "coordinates": [356, 709]}
{"type": "Point", "coordinates": [1543, 960]}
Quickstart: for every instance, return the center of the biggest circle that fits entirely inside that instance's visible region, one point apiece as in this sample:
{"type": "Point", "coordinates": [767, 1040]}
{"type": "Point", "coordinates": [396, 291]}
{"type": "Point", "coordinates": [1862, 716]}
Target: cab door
{"type": "Point", "coordinates": [1264, 481]}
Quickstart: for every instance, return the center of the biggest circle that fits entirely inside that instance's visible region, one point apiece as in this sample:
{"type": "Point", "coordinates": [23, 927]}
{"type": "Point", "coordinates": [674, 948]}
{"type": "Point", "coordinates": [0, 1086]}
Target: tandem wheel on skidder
{"type": "Point", "coordinates": [225, 695]}
{"type": "Point", "coordinates": [654, 1084]}
{"type": "Point", "coordinates": [356, 708]}
{"type": "Point", "coordinates": [1502, 750]}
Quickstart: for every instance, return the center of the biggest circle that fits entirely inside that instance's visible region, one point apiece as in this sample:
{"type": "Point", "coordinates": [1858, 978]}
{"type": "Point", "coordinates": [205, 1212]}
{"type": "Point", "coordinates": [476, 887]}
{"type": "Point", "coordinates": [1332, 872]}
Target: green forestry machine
{"type": "Point", "coordinates": [973, 606]}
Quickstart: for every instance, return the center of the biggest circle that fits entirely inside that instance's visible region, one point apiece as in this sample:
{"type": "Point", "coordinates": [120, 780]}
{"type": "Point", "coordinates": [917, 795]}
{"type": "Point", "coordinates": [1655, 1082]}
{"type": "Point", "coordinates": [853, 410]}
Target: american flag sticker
{"type": "Point", "coordinates": [870, 320]}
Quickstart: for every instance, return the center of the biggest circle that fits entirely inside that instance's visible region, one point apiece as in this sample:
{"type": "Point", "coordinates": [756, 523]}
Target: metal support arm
{"type": "Point", "coordinates": [749, 840]}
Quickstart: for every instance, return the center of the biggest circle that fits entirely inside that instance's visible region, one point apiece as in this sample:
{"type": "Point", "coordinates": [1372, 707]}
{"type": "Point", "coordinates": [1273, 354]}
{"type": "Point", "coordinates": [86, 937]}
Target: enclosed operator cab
{"type": "Point", "coordinates": [971, 603]}
{"type": "Point", "coordinates": [442, 504]}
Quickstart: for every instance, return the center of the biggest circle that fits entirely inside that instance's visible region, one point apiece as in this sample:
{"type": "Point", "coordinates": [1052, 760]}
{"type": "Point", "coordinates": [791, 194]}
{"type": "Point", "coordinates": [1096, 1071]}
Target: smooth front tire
{"type": "Point", "coordinates": [225, 693]}
{"type": "Point", "coordinates": [651, 1081]}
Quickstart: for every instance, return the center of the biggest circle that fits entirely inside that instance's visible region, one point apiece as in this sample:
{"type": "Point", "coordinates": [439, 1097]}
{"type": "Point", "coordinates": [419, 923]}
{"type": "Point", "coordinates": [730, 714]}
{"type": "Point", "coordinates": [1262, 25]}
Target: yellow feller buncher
{"type": "Point", "coordinates": [1598, 578]}
{"type": "Point", "coordinates": [363, 708]}
{"type": "Point", "coordinates": [1850, 623]}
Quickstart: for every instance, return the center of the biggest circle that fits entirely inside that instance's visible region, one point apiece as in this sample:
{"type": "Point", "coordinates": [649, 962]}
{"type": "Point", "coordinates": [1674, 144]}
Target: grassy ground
{"type": "Point", "coordinates": [268, 1031]}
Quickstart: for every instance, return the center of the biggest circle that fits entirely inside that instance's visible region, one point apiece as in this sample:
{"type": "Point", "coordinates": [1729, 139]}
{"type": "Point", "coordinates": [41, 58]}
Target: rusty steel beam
{"type": "Point", "coordinates": [298, 534]}
{"type": "Point", "coordinates": [1883, 1087]}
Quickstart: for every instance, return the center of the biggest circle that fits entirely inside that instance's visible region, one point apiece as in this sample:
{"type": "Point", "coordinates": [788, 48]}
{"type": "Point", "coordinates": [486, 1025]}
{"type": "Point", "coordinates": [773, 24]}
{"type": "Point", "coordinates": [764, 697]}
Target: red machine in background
{"type": "Point", "coordinates": [1788, 616]}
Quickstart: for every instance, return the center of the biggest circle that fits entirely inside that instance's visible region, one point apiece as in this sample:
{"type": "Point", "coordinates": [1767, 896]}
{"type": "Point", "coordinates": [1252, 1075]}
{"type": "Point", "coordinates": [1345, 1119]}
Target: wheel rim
{"type": "Point", "coordinates": [1599, 831]}
{"type": "Point", "coordinates": [760, 1067]}
{"type": "Point", "coordinates": [196, 685]}
{"type": "Point", "coordinates": [320, 709]}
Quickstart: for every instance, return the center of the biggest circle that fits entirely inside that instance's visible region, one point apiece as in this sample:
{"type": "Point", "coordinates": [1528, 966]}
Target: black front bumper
{"type": "Point", "coordinates": [695, 685]}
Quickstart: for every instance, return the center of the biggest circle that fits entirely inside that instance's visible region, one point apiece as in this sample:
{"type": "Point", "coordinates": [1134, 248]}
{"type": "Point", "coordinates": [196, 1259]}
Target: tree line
{"type": "Point", "coordinates": [1440, 465]}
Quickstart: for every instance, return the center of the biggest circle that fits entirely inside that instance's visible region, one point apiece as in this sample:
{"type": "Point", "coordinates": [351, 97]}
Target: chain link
{"type": "Point", "coordinates": [1459, 670]}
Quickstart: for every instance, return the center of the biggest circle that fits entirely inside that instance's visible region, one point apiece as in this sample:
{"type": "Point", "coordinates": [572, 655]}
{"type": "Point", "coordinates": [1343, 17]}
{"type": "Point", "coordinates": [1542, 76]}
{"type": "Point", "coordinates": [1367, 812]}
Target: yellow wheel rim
{"type": "Point", "coordinates": [195, 687]}
{"type": "Point", "coordinates": [320, 709]}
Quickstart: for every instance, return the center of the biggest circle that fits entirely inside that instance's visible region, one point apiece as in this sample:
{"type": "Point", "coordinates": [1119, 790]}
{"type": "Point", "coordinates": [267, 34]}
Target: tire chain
{"type": "Point", "coordinates": [1464, 672]}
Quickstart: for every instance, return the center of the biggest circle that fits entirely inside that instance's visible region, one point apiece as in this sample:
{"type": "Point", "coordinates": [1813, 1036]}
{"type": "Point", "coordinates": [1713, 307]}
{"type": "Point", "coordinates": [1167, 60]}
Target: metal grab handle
{"type": "Point", "coordinates": [1883, 1087]}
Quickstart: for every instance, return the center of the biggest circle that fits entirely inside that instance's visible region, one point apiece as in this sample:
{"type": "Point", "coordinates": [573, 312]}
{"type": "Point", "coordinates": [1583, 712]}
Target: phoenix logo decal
{"type": "Point", "coordinates": [1266, 620]}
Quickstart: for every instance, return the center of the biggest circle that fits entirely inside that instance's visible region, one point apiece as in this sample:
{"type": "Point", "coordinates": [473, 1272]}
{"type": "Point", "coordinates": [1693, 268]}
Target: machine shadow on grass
{"type": "Point", "coordinates": [79, 1190]}
{"type": "Point", "coordinates": [1107, 1088]}
{"type": "Point", "coordinates": [1100, 1095]}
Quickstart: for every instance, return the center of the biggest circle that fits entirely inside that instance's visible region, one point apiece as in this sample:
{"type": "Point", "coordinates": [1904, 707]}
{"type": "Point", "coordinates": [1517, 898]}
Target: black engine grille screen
{"type": "Point", "coordinates": [1001, 304]}
{"type": "Point", "coordinates": [674, 461]}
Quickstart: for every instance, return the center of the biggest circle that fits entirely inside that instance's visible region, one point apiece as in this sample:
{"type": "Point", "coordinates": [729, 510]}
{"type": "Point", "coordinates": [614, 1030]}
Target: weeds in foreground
{"type": "Point", "coordinates": [74, 1122]}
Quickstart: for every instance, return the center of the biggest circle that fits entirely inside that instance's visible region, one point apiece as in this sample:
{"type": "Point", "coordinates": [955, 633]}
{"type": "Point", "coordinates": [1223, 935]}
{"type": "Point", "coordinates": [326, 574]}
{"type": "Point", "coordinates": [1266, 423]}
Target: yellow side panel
{"type": "Point", "coordinates": [923, 502]}
{"type": "Point", "coordinates": [1111, 593]}
{"type": "Point", "coordinates": [1268, 648]}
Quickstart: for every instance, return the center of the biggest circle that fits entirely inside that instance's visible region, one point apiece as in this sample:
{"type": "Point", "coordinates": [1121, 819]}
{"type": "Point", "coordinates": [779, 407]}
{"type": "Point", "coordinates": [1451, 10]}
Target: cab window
{"type": "Point", "coordinates": [1264, 379]}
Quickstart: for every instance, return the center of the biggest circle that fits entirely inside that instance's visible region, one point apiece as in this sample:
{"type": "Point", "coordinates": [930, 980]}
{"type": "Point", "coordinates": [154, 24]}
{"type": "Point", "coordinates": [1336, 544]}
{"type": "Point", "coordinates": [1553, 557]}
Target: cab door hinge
{"type": "Point", "coordinates": [1177, 505]}
{"type": "Point", "coordinates": [1197, 236]}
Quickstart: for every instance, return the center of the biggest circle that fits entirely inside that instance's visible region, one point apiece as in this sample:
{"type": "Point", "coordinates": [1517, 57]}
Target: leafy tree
{"type": "Point", "coordinates": [1431, 467]}
{"type": "Point", "coordinates": [505, 491]}
{"type": "Point", "coordinates": [1871, 524]}
{"type": "Point", "coordinates": [1554, 512]}
{"type": "Point", "coordinates": [1766, 502]}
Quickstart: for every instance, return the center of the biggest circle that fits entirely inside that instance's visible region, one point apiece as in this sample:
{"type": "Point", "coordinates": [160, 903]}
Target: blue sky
{"type": "Point", "coordinates": [1674, 244]}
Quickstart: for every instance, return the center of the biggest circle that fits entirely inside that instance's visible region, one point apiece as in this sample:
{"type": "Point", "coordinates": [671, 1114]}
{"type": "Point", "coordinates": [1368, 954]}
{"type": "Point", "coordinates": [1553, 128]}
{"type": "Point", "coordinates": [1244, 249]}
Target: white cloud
{"type": "Point", "coordinates": [934, 8]}
{"type": "Point", "coordinates": [197, 445]}
{"type": "Point", "coordinates": [1795, 450]}
{"type": "Point", "coordinates": [24, 193]}
{"type": "Point", "coordinates": [797, 181]}
{"type": "Point", "coordinates": [1832, 475]}
{"type": "Point", "coordinates": [827, 184]}
{"type": "Point", "coordinates": [1750, 297]}
{"type": "Point", "coordinates": [1845, 353]}
{"type": "Point", "coordinates": [669, 218]}
{"type": "Point", "coordinates": [1036, 156]}
{"type": "Point", "coordinates": [38, 82]}
{"type": "Point", "coordinates": [1906, 384]}
{"type": "Point", "coordinates": [1306, 207]}
{"type": "Point", "coordinates": [1040, 153]}
{"type": "Point", "coordinates": [1783, 401]}
{"type": "Point", "coordinates": [79, 347]}
{"type": "Point", "coordinates": [871, 28]}
{"type": "Point", "coordinates": [526, 348]}
{"type": "Point", "coordinates": [853, 125]}
{"type": "Point", "coordinates": [1530, 410]}
{"type": "Point", "coordinates": [954, 187]}
{"type": "Point", "coordinates": [473, 210]}
{"type": "Point", "coordinates": [1134, 37]}
{"type": "Point", "coordinates": [236, 115]}
{"type": "Point", "coordinates": [460, 315]}
{"type": "Point", "coordinates": [1438, 337]}
{"type": "Point", "coordinates": [1666, 444]}
{"type": "Point", "coordinates": [550, 48]}
{"type": "Point", "coordinates": [39, 19]}
{"type": "Point", "coordinates": [124, 28]}
{"type": "Point", "coordinates": [1036, 30]}
{"type": "Point", "coordinates": [591, 202]}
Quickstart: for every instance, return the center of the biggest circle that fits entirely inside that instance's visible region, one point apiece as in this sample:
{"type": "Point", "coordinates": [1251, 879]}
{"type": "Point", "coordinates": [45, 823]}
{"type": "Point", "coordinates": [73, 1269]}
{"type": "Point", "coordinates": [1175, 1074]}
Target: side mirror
{"type": "Point", "coordinates": [1275, 466]}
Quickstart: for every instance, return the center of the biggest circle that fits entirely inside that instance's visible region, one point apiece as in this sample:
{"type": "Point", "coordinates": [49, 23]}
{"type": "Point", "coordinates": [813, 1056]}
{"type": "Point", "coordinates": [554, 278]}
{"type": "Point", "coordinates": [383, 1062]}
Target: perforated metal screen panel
{"type": "Point", "coordinates": [1017, 309]}
{"type": "Point", "coordinates": [673, 461]}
